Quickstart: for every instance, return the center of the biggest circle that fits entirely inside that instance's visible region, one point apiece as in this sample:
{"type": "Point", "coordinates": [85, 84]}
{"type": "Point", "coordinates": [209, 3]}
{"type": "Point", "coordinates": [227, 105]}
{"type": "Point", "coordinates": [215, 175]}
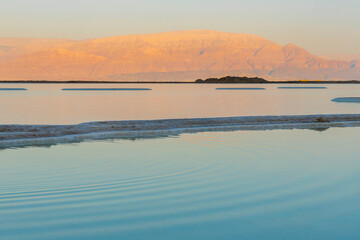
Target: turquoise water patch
{"type": "Point", "coordinates": [13, 89]}
{"type": "Point", "coordinates": [347, 99]}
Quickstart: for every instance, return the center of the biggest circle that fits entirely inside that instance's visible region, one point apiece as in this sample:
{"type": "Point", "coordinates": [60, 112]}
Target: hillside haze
{"type": "Point", "coordinates": [174, 56]}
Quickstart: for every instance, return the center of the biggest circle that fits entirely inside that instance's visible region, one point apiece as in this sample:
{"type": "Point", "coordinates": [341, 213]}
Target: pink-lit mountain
{"type": "Point", "coordinates": [174, 56]}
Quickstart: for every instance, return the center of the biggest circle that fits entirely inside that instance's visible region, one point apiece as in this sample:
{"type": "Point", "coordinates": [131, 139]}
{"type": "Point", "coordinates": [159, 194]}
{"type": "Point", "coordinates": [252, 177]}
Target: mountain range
{"type": "Point", "coordinates": [173, 56]}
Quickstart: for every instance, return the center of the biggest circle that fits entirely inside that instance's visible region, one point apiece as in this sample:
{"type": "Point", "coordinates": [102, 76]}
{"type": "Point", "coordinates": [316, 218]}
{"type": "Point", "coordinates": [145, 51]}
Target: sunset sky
{"type": "Point", "coordinates": [321, 26]}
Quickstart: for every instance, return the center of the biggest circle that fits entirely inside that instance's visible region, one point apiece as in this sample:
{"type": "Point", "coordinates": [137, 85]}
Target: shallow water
{"type": "Point", "coordinates": [279, 184]}
{"type": "Point", "coordinates": [347, 99]}
{"type": "Point", "coordinates": [47, 104]}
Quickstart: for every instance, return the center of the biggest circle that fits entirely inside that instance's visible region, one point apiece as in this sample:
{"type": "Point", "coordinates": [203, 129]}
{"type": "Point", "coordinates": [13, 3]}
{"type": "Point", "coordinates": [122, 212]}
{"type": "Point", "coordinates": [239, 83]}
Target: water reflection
{"type": "Point", "coordinates": [234, 185]}
{"type": "Point", "coordinates": [47, 142]}
{"type": "Point", "coordinates": [47, 104]}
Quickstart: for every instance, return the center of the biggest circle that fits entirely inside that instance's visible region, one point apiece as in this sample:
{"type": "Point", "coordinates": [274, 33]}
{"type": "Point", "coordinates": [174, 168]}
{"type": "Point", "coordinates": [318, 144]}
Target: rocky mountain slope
{"type": "Point", "coordinates": [174, 56]}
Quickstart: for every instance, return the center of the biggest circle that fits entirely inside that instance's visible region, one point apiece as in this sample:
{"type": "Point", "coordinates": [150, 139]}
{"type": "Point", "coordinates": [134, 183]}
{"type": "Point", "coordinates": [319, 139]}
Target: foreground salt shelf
{"type": "Point", "coordinates": [29, 135]}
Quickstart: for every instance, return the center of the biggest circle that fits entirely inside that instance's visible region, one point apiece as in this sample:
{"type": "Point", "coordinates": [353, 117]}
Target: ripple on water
{"type": "Point", "coordinates": [182, 184]}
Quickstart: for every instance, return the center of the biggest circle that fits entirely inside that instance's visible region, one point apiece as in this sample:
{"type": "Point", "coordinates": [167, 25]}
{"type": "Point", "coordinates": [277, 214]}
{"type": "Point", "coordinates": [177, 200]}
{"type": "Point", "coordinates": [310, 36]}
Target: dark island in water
{"type": "Point", "coordinates": [230, 79]}
{"type": "Point", "coordinates": [233, 79]}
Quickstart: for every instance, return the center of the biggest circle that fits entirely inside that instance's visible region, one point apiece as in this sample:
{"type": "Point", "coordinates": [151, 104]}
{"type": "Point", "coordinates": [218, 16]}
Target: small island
{"type": "Point", "coordinates": [231, 79]}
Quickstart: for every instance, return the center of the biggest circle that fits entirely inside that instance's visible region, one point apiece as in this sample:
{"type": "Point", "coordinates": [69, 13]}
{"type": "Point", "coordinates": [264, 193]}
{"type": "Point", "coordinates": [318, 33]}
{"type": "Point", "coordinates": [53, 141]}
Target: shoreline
{"type": "Point", "coordinates": [44, 135]}
{"type": "Point", "coordinates": [172, 82]}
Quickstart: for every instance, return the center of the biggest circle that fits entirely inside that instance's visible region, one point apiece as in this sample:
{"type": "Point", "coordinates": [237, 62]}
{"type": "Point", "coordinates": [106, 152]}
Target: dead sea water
{"type": "Point", "coordinates": [47, 104]}
{"type": "Point", "coordinates": [278, 184]}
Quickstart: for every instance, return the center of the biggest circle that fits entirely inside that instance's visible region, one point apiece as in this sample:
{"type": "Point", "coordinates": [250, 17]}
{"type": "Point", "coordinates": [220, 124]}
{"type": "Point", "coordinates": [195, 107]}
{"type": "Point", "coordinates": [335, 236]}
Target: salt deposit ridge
{"type": "Point", "coordinates": [34, 135]}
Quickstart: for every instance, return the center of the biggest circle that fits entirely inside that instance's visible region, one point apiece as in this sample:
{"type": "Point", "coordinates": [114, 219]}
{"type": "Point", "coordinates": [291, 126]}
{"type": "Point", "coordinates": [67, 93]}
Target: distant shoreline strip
{"type": "Point", "coordinates": [106, 89]}
{"type": "Point", "coordinates": [39, 135]}
{"type": "Point", "coordinates": [13, 89]}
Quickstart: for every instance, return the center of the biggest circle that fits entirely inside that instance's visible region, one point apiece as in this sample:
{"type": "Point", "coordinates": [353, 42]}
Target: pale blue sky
{"type": "Point", "coordinates": [320, 26]}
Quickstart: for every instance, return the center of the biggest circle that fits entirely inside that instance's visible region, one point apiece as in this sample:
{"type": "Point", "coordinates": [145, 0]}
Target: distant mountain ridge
{"type": "Point", "coordinates": [178, 56]}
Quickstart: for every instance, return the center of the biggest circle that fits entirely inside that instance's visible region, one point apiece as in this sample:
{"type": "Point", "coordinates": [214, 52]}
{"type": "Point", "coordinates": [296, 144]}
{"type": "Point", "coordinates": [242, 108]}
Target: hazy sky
{"type": "Point", "coordinates": [320, 26]}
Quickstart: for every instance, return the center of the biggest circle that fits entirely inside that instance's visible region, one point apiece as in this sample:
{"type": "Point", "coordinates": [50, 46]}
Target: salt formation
{"type": "Point", "coordinates": [25, 135]}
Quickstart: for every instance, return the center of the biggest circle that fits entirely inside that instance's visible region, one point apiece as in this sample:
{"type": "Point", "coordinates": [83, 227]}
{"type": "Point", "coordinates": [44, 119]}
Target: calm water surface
{"type": "Point", "coordinates": [47, 104]}
{"type": "Point", "coordinates": [279, 184]}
